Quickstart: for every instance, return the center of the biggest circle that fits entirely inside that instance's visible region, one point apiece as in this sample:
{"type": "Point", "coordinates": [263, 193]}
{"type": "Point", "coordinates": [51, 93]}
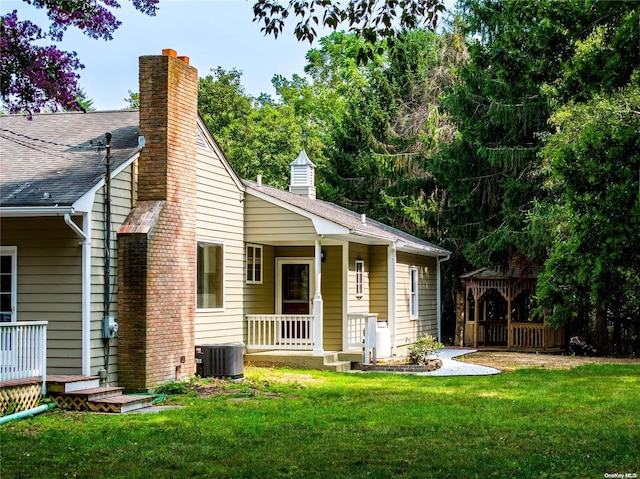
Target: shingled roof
{"type": "Point", "coordinates": [349, 219]}
{"type": "Point", "coordinates": [48, 161]}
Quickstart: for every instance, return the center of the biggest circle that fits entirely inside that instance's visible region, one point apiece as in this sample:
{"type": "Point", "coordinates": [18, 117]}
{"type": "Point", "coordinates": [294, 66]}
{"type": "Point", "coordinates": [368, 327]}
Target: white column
{"type": "Point", "coordinates": [345, 296]}
{"type": "Point", "coordinates": [391, 295]}
{"type": "Point", "coordinates": [317, 303]}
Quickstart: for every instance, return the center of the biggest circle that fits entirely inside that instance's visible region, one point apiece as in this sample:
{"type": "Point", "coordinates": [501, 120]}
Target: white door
{"type": "Point", "coordinates": [8, 283]}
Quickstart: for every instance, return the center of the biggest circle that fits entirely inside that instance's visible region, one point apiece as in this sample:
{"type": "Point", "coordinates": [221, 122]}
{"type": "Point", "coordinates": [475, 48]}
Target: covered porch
{"type": "Point", "coordinates": [498, 313]}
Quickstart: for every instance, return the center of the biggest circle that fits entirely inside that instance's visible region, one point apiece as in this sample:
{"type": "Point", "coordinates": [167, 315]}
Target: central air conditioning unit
{"type": "Point", "coordinates": [220, 360]}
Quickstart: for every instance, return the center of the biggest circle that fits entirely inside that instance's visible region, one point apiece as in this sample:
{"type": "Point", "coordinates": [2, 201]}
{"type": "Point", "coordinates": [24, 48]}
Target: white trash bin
{"type": "Point", "coordinates": [383, 340]}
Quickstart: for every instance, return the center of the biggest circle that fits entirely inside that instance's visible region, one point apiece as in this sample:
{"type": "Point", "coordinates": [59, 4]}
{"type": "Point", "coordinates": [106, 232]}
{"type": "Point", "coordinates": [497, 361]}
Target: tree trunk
{"type": "Point", "coordinates": [602, 333]}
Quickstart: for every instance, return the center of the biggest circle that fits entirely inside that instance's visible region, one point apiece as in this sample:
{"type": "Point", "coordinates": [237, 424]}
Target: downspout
{"type": "Point", "coordinates": [439, 296]}
{"type": "Point", "coordinates": [391, 295]}
{"type": "Point", "coordinates": [85, 235]}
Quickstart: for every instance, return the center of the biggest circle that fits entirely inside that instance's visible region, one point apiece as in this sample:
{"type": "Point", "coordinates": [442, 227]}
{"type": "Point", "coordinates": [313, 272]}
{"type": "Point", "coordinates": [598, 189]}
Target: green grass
{"type": "Point", "coordinates": [580, 423]}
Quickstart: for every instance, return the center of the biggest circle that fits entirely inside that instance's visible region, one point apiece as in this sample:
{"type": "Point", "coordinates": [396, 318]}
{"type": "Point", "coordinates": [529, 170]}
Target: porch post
{"type": "Point", "coordinates": [509, 341]}
{"type": "Point", "coordinates": [317, 303]}
{"type": "Point", "coordinates": [345, 296]}
{"type": "Point", "coordinates": [476, 319]}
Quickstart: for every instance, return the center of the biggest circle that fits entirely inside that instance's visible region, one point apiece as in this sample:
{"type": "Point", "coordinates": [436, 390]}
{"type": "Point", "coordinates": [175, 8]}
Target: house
{"type": "Point", "coordinates": [132, 237]}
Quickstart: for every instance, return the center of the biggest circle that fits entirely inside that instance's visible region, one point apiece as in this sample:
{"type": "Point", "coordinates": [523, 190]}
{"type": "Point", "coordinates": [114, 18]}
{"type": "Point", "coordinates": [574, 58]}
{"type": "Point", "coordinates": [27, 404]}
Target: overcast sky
{"type": "Point", "coordinates": [210, 32]}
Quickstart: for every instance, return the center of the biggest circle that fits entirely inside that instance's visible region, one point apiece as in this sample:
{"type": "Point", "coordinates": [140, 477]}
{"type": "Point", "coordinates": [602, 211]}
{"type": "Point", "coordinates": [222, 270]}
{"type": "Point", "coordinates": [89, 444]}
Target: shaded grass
{"type": "Point", "coordinates": [582, 423]}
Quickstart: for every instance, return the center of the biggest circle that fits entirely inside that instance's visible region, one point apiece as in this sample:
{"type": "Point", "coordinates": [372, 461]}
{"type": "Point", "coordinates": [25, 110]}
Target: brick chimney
{"type": "Point", "coordinates": [157, 242]}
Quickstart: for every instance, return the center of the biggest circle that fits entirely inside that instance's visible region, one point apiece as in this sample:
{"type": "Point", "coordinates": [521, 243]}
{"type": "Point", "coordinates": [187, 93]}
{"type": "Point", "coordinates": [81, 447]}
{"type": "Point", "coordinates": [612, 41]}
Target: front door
{"type": "Point", "coordinates": [8, 282]}
{"type": "Point", "coordinates": [8, 270]}
{"type": "Point", "coordinates": [294, 284]}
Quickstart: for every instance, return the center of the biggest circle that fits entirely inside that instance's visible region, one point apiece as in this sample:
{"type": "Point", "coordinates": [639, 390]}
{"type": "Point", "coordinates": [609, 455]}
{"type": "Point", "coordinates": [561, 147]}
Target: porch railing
{"type": "Point", "coordinates": [23, 350]}
{"type": "Point", "coordinates": [361, 333]}
{"type": "Point", "coordinates": [273, 331]}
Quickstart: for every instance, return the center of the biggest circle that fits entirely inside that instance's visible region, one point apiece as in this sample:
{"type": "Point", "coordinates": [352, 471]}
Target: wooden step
{"type": "Point", "coordinates": [94, 393]}
{"type": "Point", "coordinates": [62, 383]}
{"type": "Point", "coordinates": [120, 404]}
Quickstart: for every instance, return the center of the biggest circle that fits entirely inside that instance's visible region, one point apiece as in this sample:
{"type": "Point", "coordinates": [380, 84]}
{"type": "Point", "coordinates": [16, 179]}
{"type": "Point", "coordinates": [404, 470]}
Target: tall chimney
{"type": "Point", "coordinates": [157, 242]}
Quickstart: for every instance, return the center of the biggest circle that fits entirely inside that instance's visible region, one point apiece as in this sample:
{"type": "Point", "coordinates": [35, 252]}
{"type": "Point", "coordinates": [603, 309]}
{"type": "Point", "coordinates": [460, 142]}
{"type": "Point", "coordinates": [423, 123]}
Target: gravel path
{"type": "Point", "coordinates": [451, 367]}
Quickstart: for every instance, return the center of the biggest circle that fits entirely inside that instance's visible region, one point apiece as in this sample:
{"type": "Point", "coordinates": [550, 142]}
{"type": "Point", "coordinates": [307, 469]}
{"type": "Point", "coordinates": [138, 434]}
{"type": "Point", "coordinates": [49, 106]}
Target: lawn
{"type": "Point", "coordinates": [577, 423]}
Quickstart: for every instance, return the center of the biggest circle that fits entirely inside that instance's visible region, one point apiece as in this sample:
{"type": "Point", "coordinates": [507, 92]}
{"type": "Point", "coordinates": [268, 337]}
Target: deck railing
{"type": "Point", "coordinates": [23, 350]}
{"type": "Point", "coordinates": [361, 333]}
{"type": "Point", "coordinates": [535, 336]}
{"type": "Point", "coordinates": [274, 331]}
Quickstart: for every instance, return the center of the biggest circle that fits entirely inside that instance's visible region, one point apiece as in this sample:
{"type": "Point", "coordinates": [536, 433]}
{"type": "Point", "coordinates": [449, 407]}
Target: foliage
{"type": "Point", "coordinates": [36, 77]}
{"type": "Point", "coordinates": [424, 349]}
{"type": "Point", "coordinates": [360, 426]}
{"type": "Point", "coordinates": [368, 19]}
{"type": "Point", "coordinates": [593, 160]}
{"type": "Point", "coordinates": [132, 100]}
{"type": "Point", "coordinates": [172, 387]}
{"type": "Point", "coordinates": [258, 136]}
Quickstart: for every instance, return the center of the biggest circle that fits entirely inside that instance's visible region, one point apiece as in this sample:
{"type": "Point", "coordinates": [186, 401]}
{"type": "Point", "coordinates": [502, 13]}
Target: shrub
{"type": "Point", "coordinates": [423, 349]}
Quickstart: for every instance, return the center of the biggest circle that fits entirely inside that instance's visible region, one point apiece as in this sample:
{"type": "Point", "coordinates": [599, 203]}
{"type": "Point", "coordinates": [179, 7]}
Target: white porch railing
{"type": "Point", "coordinates": [23, 350]}
{"type": "Point", "coordinates": [361, 333]}
{"type": "Point", "coordinates": [274, 331]}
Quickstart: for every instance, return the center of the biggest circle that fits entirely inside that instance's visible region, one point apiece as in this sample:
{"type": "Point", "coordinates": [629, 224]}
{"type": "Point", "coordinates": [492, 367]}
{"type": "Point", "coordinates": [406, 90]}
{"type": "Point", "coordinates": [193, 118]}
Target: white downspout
{"type": "Point", "coordinates": [85, 234]}
{"type": "Point", "coordinates": [317, 303]}
{"type": "Point", "coordinates": [439, 296]}
{"type": "Point", "coordinates": [345, 296]}
{"type": "Point", "coordinates": [391, 296]}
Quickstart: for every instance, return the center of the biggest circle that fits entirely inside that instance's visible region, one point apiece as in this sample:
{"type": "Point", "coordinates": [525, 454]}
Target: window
{"type": "Point", "coordinates": [8, 283]}
{"type": "Point", "coordinates": [254, 264]}
{"type": "Point", "coordinates": [413, 305]}
{"type": "Point", "coordinates": [359, 278]}
{"type": "Point", "coordinates": [210, 275]}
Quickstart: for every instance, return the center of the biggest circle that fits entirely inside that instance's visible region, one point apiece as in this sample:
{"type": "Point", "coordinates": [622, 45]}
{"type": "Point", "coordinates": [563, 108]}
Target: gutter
{"type": "Point", "coordinates": [28, 211]}
{"type": "Point", "coordinates": [439, 296]}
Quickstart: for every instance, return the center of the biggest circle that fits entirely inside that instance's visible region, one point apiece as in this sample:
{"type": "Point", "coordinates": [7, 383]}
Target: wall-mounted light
{"type": "Point", "coordinates": [323, 256]}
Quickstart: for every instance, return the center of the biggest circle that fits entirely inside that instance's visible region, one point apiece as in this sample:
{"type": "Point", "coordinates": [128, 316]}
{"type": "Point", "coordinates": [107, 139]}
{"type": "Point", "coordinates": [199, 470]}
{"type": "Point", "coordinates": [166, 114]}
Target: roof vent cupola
{"type": "Point", "coordinates": [303, 176]}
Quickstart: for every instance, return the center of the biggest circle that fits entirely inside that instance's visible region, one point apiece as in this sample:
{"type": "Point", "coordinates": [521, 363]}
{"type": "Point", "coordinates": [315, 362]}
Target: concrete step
{"type": "Point", "coordinates": [338, 366]}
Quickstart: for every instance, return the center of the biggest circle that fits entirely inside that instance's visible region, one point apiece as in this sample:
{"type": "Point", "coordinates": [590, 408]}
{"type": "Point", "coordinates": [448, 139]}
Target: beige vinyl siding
{"type": "Point", "coordinates": [331, 289]}
{"type": "Point", "coordinates": [268, 223]}
{"type": "Point", "coordinates": [407, 330]}
{"type": "Point", "coordinates": [220, 218]}
{"type": "Point", "coordinates": [359, 305]}
{"type": "Point", "coordinates": [260, 298]}
{"type": "Point", "coordinates": [121, 204]}
{"type": "Point", "coordinates": [378, 279]}
{"type": "Point", "coordinates": [49, 285]}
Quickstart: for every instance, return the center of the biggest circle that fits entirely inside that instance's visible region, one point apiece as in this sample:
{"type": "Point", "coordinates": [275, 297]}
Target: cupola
{"type": "Point", "coordinates": [303, 176]}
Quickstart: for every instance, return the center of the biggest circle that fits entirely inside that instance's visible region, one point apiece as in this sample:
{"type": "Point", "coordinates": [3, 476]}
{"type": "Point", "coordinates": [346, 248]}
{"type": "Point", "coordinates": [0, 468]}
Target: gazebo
{"type": "Point", "coordinates": [497, 312]}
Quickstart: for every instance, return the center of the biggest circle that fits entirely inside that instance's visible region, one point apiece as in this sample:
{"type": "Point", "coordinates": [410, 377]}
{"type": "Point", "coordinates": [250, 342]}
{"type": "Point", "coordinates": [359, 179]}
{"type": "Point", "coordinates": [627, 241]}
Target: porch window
{"type": "Point", "coordinates": [254, 264]}
{"type": "Point", "coordinates": [359, 278]}
{"type": "Point", "coordinates": [210, 275]}
{"type": "Point", "coordinates": [8, 283]}
{"type": "Point", "coordinates": [413, 300]}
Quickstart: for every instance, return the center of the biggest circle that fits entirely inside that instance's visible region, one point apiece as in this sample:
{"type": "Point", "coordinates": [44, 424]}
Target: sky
{"type": "Point", "coordinates": [211, 33]}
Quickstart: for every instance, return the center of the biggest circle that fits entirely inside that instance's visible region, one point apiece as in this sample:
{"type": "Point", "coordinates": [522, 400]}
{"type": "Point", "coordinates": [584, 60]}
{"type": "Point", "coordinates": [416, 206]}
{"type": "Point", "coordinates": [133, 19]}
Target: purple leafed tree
{"type": "Point", "coordinates": [35, 76]}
